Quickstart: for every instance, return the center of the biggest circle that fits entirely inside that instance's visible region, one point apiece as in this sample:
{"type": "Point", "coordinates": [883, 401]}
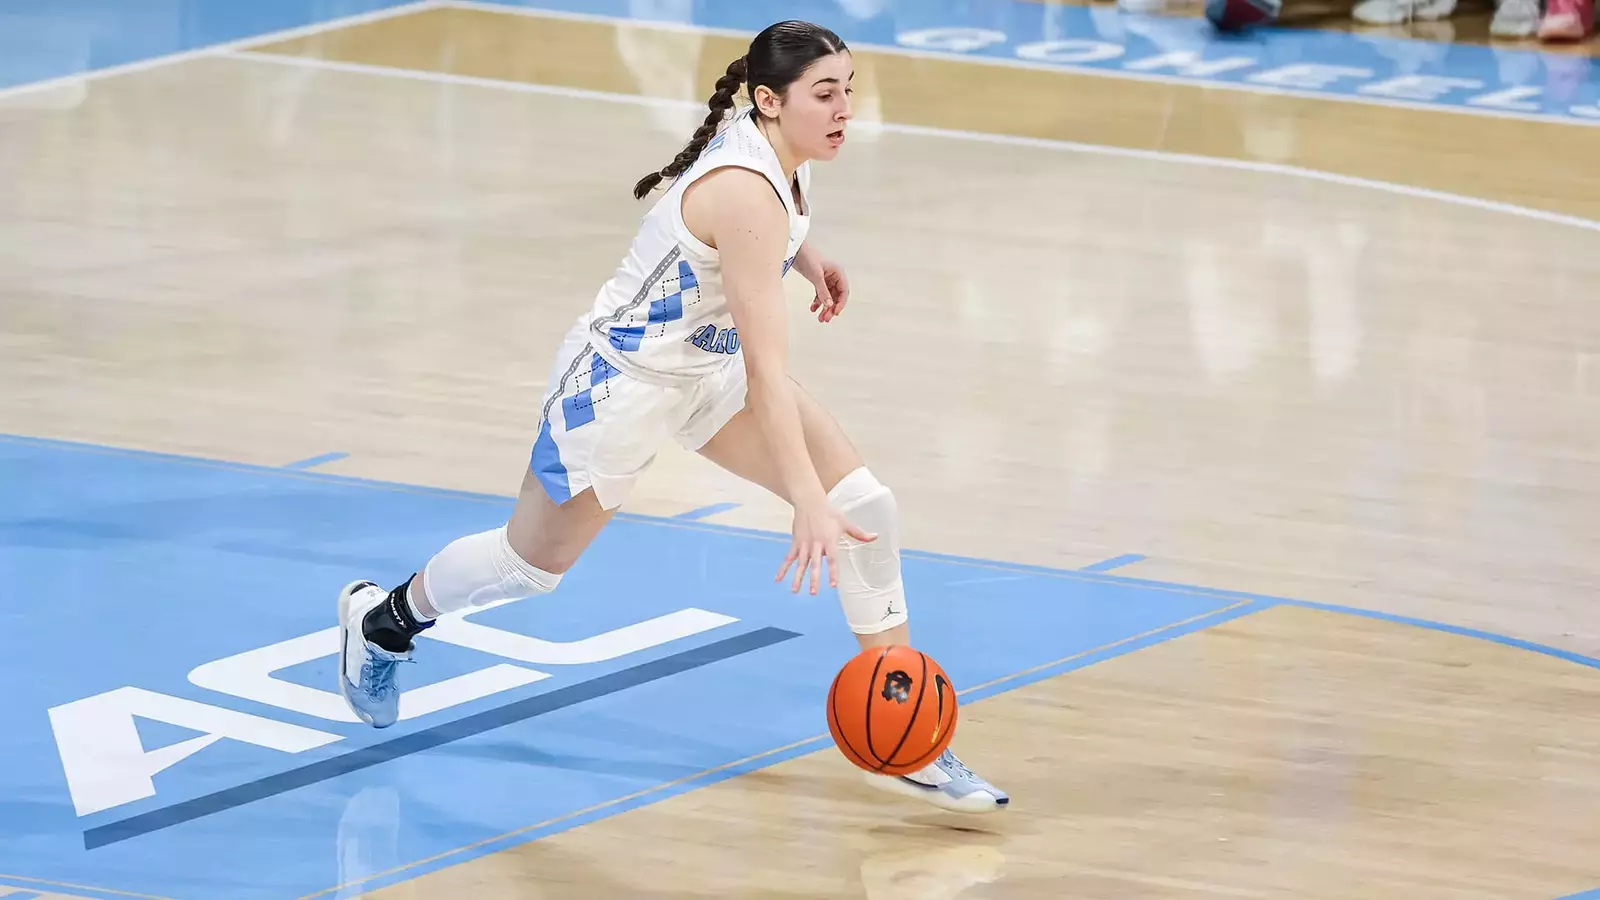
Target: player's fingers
{"type": "Point", "coordinates": [787, 561]}
{"type": "Point", "coordinates": [860, 534]}
{"type": "Point", "coordinates": [824, 297]}
{"type": "Point", "coordinates": [802, 563]}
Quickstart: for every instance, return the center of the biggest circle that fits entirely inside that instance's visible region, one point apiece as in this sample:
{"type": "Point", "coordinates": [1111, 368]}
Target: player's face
{"type": "Point", "coordinates": [817, 107]}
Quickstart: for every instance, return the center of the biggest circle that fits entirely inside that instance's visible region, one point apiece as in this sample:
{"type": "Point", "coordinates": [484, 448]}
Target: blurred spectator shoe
{"type": "Point", "coordinates": [1515, 19]}
{"type": "Point", "coordinates": [1395, 12]}
{"type": "Point", "coordinates": [1567, 20]}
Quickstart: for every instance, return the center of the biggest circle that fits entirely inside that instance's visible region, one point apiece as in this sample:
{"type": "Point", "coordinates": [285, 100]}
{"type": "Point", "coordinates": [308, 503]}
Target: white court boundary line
{"type": "Point", "coordinates": [418, 6]}
{"type": "Point", "coordinates": [1055, 68]}
{"type": "Point", "coordinates": [156, 62]}
{"type": "Point", "coordinates": [522, 87]}
{"type": "Point", "coordinates": [233, 49]}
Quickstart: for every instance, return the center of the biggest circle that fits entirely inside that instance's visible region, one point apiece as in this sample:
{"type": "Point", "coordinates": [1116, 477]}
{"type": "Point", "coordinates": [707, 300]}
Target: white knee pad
{"type": "Point", "coordinates": [870, 589]}
{"type": "Point", "coordinates": [480, 569]}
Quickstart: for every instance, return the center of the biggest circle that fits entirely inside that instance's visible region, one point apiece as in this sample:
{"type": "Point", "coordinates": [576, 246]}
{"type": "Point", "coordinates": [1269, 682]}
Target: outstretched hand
{"type": "Point", "coordinates": [817, 530]}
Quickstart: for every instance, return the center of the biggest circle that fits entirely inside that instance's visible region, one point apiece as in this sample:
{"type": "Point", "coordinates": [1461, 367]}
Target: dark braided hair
{"type": "Point", "coordinates": [777, 58]}
{"type": "Point", "coordinates": [720, 103]}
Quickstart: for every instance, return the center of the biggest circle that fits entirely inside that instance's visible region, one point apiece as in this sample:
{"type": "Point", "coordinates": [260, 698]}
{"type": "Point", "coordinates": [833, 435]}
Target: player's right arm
{"type": "Point", "coordinates": [749, 227]}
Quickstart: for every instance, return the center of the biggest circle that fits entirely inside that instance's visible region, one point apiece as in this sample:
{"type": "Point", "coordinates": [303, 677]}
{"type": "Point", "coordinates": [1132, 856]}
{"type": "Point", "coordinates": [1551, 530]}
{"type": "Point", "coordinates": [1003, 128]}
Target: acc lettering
{"type": "Point", "coordinates": [107, 765]}
{"type": "Point", "coordinates": [248, 676]}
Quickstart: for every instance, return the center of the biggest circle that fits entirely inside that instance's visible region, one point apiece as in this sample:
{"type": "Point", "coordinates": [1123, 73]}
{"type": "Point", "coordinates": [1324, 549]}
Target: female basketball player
{"type": "Point", "coordinates": [687, 341]}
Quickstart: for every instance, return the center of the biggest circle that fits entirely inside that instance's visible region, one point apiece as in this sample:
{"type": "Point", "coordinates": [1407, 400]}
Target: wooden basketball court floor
{"type": "Point", "coordinates": [1249, 444]}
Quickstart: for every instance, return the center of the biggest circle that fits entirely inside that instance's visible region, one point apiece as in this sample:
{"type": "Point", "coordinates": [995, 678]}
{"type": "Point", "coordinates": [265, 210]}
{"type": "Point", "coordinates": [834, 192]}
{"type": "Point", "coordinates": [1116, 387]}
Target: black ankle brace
{"type": "Point", "coordinates": [391, 624]}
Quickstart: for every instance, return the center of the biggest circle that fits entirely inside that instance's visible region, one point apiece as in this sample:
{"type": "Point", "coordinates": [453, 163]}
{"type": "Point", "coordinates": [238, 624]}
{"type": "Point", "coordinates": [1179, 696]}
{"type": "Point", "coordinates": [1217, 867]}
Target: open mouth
{"type": "Point", "coordinates": [836, 137]}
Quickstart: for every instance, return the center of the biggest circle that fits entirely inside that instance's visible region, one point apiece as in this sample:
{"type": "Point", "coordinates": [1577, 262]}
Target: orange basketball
{"type": "Point", "coordinates": [892, 710]}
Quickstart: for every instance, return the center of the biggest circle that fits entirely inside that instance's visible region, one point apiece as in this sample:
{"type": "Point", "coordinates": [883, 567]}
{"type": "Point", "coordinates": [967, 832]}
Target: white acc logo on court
{"type": "Point", "coordinates": [106, 764]}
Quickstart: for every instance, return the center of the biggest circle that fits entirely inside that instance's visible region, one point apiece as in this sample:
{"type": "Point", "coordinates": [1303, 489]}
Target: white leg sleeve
{"type": "Point", "coordinates": [870, 590]}
{"type": "Point", "coordinates": [480, 569]}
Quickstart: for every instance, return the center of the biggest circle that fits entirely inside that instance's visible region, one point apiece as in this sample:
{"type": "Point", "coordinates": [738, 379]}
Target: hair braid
{"type": "Point", "coordinates": [721, 101]}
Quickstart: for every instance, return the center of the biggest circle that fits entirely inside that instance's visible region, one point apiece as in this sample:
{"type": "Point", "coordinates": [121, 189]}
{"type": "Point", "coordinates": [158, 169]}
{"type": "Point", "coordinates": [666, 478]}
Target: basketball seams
{"type": "Point", "coordinates": [939, 745]}
{"type": "Point", "coordinates": [922, 691]}
{"type": "Point", "coordinates": [872, 685]}
{"type": "Point", "coordinates": [838, 729]}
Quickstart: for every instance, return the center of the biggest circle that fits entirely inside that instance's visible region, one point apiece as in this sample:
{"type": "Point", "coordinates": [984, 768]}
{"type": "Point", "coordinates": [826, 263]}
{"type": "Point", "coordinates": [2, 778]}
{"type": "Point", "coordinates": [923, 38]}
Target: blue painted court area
{"type": "Point", "coordinates": [1105, 40]}
{"type": "Point", "coordinates": [170, 657]}
{"type": "Point", "coordinates": [45, 39]}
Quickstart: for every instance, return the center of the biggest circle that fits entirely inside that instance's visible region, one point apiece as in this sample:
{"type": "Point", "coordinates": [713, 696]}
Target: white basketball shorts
{"type": "Point", "coordinates": [601, 429]}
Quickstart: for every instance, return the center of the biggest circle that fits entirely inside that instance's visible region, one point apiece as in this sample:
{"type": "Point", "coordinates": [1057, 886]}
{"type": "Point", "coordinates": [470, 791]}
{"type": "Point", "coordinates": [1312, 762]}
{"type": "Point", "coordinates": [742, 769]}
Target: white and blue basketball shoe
{"type": "Point", "coordinates": [366, 671]}
{"type": "Point", "coordinates": [948, 784]}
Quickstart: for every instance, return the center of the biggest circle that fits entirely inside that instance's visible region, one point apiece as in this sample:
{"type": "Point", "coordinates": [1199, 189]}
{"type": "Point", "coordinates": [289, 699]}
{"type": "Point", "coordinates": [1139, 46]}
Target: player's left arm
{"type": "Point", "coordinates": [833, 289]}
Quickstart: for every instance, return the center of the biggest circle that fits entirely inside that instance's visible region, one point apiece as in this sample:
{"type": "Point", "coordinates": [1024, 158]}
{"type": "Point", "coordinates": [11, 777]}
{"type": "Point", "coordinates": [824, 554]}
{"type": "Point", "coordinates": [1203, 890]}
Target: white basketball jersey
{"type": "Point", "coordinates": [663, 316]}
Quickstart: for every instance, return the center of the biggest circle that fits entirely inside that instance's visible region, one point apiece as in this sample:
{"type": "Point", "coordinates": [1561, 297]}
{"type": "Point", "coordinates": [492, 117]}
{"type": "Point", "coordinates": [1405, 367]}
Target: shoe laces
{"type": "Point", "coordinates": [951, 761]}
{"type": "Point", "coordinates": [380, 673]}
